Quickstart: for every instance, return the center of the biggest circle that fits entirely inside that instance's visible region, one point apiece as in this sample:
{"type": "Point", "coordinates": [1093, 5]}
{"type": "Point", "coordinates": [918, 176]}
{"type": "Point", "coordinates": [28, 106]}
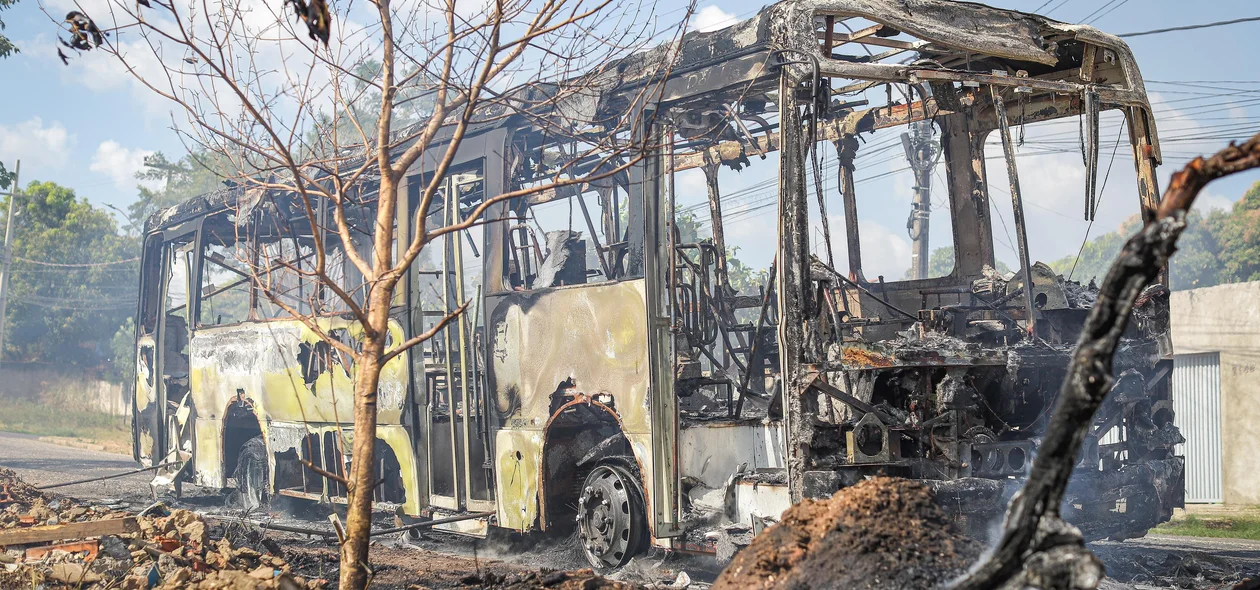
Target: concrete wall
{"type": "Point", "coordinates": [69, 386]}
{"type": "Point", "coordinates": [1226, 319]}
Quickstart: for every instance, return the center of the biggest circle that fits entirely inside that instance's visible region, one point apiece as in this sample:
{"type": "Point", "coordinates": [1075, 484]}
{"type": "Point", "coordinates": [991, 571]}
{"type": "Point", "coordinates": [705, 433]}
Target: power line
{"type": "Point", "coordinates": [1060, 5]}
{"type": "Point", "coordinates": [1192, 27]}
{"type": "Point", "coordinates": [1100, 9]}
{"type": "Point", "coordinates": [1203, 82]}
{"type": "Point", "coordinates": [1109, 11]}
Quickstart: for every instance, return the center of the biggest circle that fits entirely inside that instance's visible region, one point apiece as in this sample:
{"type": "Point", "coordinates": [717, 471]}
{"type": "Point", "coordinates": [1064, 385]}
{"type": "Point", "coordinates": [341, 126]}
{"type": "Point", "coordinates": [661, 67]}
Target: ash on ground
{"type": "Point", "coordinates": [880, 533]}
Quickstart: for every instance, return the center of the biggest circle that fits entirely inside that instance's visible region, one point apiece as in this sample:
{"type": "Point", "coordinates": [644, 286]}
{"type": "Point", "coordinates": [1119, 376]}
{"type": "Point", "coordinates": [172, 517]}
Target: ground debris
{"type": "Point", "coordinates": [14, 490]}
{"type": "Point", "coordinates": [880, 533]}
{"type": "Point", "coordinates": [172, 549]}
{"type": "Point", "coordinates": [1196, 570]}
{"type": "Point", "coordinates": [584, 579]}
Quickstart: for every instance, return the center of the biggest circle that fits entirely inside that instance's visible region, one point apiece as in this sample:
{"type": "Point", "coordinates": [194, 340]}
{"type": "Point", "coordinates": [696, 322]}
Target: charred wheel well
{"type": "Point", "coordinates": [578, 438]}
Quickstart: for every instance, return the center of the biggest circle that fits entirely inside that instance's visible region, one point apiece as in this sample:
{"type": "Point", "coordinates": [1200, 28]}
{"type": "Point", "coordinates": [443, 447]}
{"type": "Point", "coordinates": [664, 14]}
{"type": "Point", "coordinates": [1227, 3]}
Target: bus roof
{"type": "Point", "coordinates": [948, 34]}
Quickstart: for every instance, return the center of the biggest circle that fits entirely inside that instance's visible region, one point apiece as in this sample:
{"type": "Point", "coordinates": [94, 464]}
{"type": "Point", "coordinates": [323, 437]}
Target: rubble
{"type": "Point", "coordinates": [880, 533]}
{"type": "Point", "coordinates": [158, 548]}
{"type": "Point", "coordinates": [584, 579]}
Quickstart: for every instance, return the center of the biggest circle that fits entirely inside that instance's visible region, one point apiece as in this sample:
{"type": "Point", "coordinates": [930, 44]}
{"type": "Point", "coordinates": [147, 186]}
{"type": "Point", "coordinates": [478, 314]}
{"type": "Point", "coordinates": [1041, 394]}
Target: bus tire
{"type": "Point", "coordinates": [251, 475]}
{"type": "Point", "coordinates": [612, 517]}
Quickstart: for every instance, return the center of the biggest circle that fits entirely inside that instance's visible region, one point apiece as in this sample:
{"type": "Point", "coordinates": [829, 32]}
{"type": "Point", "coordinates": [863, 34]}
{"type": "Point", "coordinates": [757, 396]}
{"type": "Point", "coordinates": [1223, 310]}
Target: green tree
{"type": "Point", "coordinates": [194, 174]}
{"type": "Point", "coordinates": [414, 103]}
{"type": "Point", "coordinates": [74, 278]}
{"type": "Point", "coordinates": [1096, 255]}
{"type": "Point", "coordinates": [1238, 238]}
{"type": "Point", "coordinates": [941, 264]}
{"type": "Point", "coordinates": [7, 47]}
{"type": "Point", "coordinates": [1196, 262]}
{"type": "Point", "coordinates": [6, 177]}
{"type": "Point", "coordinates": [122, 349]}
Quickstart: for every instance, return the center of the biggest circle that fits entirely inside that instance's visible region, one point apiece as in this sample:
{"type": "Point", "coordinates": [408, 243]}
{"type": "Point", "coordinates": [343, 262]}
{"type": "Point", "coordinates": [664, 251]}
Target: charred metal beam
{"type": "Point", "coordinates": [756, 339]}
{"type": "Point", "coordinates": [793, 287]}
{"type": "Point", "coordinates": [599, 250]}
{"type": "Point", "coordinates": [1033, 532]}
{"type": "Point", "coordinates": [863, 121]}
{"type": "Point", "coordinates": [849, 400]}
{"type": "Point", "coordinates": [1017, 206]}
{"type": "Point", "coordinates": [846, 152]}
{"type": "Point", "coordinates": [710, 169]}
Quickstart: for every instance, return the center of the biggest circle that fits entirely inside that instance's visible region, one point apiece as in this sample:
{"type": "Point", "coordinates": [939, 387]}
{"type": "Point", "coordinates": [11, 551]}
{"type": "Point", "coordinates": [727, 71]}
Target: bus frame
{"type": "Point", "coordinates": [621, 386]}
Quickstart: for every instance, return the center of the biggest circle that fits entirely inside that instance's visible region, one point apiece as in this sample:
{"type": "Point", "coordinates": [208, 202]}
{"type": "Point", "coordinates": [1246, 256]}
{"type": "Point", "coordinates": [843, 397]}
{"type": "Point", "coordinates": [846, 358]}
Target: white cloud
{"type": "Point", "coordinates": [884, 251]}
{"type": "Point", "coordinates": [120, 164]}
{"type": "Point", "coordinates": [40, 147]}
{"type": "Point", "coordinates": [1207, 202]}
{"type": "Point", "coordinates": [691, 183]}
{"type": "Point", "coordinates": [712, 18]}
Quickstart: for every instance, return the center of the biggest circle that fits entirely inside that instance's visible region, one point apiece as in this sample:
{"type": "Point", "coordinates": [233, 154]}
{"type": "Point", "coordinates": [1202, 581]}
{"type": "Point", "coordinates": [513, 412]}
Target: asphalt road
{"type": "Point", "coordinates": [41, 463]}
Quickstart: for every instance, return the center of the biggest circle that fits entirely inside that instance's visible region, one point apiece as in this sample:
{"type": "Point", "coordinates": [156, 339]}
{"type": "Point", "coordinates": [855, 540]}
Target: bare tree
{"type": "Point", "coordinates": [344, 108]}
{"type": "Point", "coordinates": [1037, 548]}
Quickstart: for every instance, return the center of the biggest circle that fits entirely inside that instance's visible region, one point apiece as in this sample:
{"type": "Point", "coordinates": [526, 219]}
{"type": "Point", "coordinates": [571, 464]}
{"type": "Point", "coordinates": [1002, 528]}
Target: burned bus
{"type": "Point", "coordinates": [674, 353]}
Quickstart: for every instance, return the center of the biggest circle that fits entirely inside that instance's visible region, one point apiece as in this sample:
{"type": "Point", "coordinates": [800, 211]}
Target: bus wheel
{"type": "Point", "coordinates": [251, 474]}
{"type": "Point", "coordinates": [611, 520]}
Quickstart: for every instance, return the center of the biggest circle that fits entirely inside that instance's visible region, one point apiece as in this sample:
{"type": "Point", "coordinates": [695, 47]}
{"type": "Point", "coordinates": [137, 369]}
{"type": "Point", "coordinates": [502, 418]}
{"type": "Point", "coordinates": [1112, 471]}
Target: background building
{"type": "Point", "coordinates": [1216, 390]}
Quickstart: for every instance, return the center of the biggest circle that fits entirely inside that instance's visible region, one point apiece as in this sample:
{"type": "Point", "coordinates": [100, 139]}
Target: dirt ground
{"type": "Point", "coordinates": [870, 546]}
{"type": "Point", "coordinates": [880, 533]}
{"type": "Point", "coordinates": [413, 568]}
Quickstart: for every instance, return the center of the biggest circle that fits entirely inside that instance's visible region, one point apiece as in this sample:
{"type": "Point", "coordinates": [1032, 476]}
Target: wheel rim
{"type": "Point", "coordinates": [607, 519]}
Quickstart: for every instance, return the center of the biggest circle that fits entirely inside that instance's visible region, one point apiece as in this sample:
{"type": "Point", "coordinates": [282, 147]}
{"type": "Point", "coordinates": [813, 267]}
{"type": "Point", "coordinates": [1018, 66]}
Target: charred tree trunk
{"type": "Point", "coordinates": [1037, 548]}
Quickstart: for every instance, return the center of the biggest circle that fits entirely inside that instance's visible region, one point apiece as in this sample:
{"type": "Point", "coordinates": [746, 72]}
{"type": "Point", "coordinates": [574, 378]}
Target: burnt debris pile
{"type": "Point", "coordinates": [881, 533]}
{"type": "Point", "coordinates": [55, 542]}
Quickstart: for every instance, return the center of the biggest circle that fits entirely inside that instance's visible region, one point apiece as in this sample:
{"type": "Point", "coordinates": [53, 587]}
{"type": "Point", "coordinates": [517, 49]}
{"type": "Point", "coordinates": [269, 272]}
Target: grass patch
{"type": "Point", "coordinates": [45, 419]}
{"type": "Point", "coordinates": [1232, 527]}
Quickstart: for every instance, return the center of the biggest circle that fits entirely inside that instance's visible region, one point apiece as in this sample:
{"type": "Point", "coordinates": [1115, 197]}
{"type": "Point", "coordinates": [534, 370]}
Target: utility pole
{"type": "Point", "coordinates": [8, 252]}
{"type": "Point", "coordinates": [922, 153]}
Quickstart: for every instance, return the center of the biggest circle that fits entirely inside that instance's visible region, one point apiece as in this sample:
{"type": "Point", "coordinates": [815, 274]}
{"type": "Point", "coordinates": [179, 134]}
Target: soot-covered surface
{"type": "Point", "coordinates": [880, 533]}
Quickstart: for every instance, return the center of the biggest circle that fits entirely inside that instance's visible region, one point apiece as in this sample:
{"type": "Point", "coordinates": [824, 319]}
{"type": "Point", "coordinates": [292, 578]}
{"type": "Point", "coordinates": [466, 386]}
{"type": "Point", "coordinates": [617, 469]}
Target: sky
{"type": "Point", "coordinates": [89, 126]}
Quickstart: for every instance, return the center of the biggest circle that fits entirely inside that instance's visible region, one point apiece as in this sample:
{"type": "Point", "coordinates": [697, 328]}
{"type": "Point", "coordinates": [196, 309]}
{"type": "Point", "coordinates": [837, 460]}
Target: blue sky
{"type": "Point", "coordinates": [89, 127]}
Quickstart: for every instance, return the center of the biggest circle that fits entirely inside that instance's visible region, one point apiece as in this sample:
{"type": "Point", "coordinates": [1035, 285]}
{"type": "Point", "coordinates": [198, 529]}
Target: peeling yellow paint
{"type": "Point", "coordinates": [595, 335]}
{"type": "Point", "coordinates": [208, 435]}
{"type": "Point", "coordinates": [516, 473]}
{"type": "Point", "coordinates": [259, 362]}
{"type": "Point", "coordinates": [399, 440]}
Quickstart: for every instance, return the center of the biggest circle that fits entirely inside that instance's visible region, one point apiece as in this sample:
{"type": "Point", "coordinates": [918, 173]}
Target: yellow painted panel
{"type": "Point", "coordinates": [260, 360]}
{"type": "Point", "coordinates": [516, 473]}
{"type": "Point", "coordinates": [595, 335]}
{"type": "Point", "coordinates": [208, 435]}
